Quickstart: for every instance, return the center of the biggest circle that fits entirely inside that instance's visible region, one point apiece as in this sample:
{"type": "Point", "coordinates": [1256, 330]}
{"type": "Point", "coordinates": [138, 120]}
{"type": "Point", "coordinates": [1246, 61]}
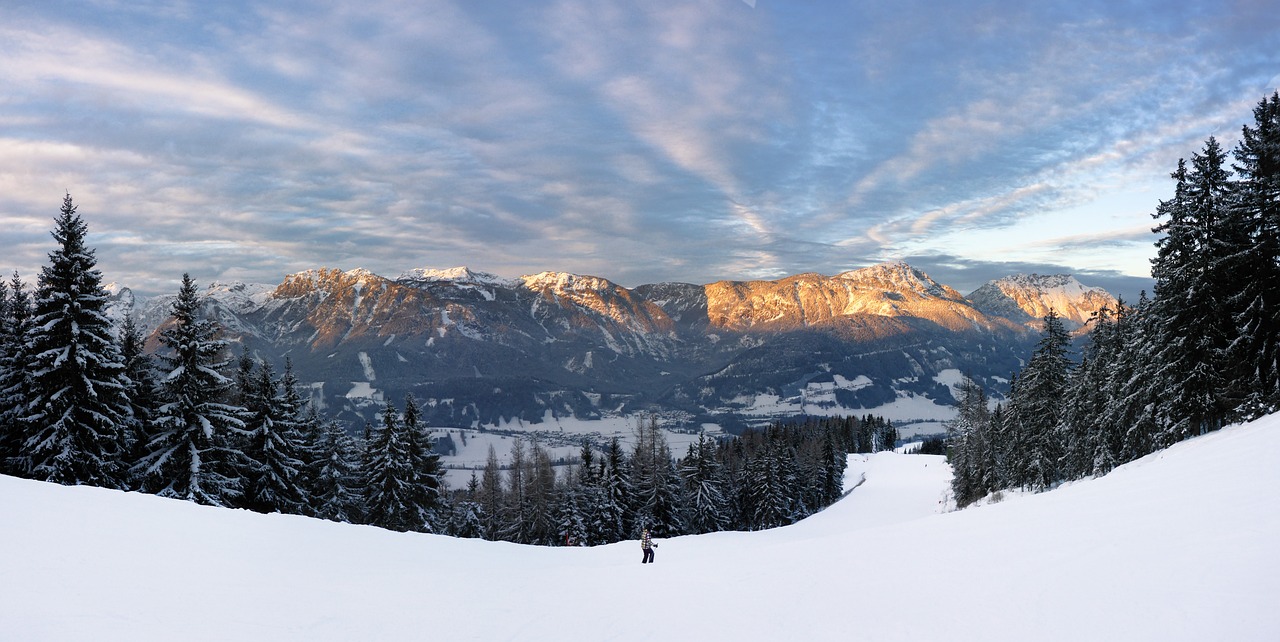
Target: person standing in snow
{"type": "Point", "coordinates": [646, 544]}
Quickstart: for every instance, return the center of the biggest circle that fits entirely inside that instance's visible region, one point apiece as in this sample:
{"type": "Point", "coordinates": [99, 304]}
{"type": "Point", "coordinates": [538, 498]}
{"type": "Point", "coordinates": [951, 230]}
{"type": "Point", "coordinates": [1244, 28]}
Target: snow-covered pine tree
{"type": "Point", "coordinates": [570, 516]}
{"type": "Point", "coordinates": [8, 439]}
{"type": "Point", "coordinates": [302, 424]}
{"type": "Point", "coordinates": [999, 444]}
{"type": "Point", "coordinates": [769, 487]}
{"type": "Point", "coordinates": [334, 484]}
{"type": "Point", "coordinates": [616, 517]}
{"type": "Point", "coordinates": [831, 470]}
{"type": "Point", "coordinates": [390, 494]}
{"type": "Point", "coordinates": [540, 489]}
{"type": "Point", "coordinates": [15, 324]}
{"type": "Point", "coordinates": [273, 448]}
{"type": "Point", "coordinates": [1092, 436]}
{"type": "Point", "coordinates": [733, 458]}
{"type": "Point", "coordinates": [245, 380]}
{"type": "Point", "coordinates": [490, 497]}
{"type": "Point", "coordinates": [467, 517]}
{"type": "Point", "coordinates": [601, 519]}
{"type": "Point", "coordinates": [517, 512]}
{"type": "Point", "coordinates": [1255, 355]}
{"type": "Point", "coordinates": [970, 449]}
{"type": "Point", "coordinates": [194, 453]}
{"type": "Point", "coordinates": [590, 497]}
{"type": "Point", "coordinates": [655, 483]}
{"type": "Point", "coordinates": [143, 391]}
{"type": "Point", "coordinates": [705, 502]}
{"type": "Point", "coordinates": [1134, 391]}
{"type": "Point", "coordinates": [428, 479]}
{"type": "Point", "coordinates": [1192, 294]}
{"type": "Point", "coordinates": [1038, 405]}
{"type": "Point", "coordinates": [76, 406]}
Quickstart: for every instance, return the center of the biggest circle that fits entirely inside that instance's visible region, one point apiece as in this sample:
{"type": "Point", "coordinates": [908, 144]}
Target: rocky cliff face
{"type": "Point", "coordinates": [811, 300]}
{"type": "Point", "coordinates": [480, 350]}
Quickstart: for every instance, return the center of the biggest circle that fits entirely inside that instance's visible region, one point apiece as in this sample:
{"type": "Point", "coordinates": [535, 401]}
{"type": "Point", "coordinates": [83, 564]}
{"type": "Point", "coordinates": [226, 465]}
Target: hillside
{"type": "Point", "coordinates": [1179, 545]}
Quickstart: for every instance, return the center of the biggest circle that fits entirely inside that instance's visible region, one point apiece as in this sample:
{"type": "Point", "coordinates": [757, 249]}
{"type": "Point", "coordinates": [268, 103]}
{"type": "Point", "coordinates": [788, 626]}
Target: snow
{"type": "Point", "coordinates": [363, 390]}
{"type": "Point", "coordinates": [908, 408]}
{"type": "Point", "coordinates": [457, 275]}
{"type": "Point", "coordinates": [1177, 546]}
{"type": "Point", "coordinates": [239, 296]}
{"type": "Point", "coordinates": [366, 364]}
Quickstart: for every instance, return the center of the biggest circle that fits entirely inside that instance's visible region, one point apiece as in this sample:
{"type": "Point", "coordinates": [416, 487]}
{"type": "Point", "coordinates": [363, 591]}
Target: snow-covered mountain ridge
{"type": "Point", "coordinates": [889, 289]}
{"type": "Point", "coordinates": [1027, 298]}
{"type": "Point", "coordinates": [886, 290]}
{"type": "Point", "coordinates": [484, 350]}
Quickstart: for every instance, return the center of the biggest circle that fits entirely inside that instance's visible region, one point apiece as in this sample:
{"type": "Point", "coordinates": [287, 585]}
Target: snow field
{"type": "Point", "coordinates": [1180, 545]}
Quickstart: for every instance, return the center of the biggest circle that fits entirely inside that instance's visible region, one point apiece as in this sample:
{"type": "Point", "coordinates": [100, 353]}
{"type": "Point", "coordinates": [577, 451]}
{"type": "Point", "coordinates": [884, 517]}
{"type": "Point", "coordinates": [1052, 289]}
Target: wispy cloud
{"type": "Point", "coordinates": [641, 142]}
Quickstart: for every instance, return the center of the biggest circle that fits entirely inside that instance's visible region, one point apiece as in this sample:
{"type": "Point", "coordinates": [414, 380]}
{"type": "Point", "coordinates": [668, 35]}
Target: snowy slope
{"type": "Point", "coordinates": [1177, 546]}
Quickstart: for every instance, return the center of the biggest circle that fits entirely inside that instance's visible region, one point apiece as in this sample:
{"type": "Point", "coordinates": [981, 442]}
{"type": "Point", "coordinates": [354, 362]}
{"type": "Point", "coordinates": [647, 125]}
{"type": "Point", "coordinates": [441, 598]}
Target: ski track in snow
{"type": "Point", "coordinates": [1180, 545]}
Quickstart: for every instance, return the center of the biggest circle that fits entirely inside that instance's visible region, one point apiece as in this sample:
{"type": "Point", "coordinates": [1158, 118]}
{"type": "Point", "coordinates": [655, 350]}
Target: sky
{"type": "Point", "coordinates": [637, 141]}
{"type": "Point", "coordinates": [1177, 546]}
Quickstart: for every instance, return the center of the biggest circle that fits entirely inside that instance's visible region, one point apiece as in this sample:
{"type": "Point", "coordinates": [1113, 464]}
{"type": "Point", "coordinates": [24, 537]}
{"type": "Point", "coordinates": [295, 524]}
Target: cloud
{"type": "Point", "coordinates": [640, 142]}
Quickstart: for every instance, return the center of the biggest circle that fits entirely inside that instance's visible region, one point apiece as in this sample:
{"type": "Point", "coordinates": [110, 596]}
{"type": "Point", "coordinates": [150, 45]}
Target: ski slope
{"type": "Point", "coordinates": [1182, 545]}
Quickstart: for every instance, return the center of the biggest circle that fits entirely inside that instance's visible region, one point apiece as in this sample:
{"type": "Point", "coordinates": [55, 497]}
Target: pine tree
{"type": "Point", "coordinates": [517, 512]}
{"type": "Point", "coordinates": [617, 519]}
{"type": "Point", "coordinates": [540, 491]}
{"type": "Point", "coordinates": [705, 500]}
{"type": "Point", "coordinates": [1093, 441]}
{"type": "Point", "coordinates": [467, 518]}
{"type": "Point", "coordinates": [570, 517]}
{"type": "Point", "coordinates": [769, 486]}
{"type": "Point", "coordinates": [970, 448]}
{"type": "Point", "coordinates": [654, 481]}
{"type": "Point", "coordinates": [425, 462]}
{"type": "Point", "coordinates": [390, 492]}
{"type": "Point", "coordinates": [490, 496]}
{"type": "Point", "coordinates": [1255, 356]}
{"type": "Point", "coordinates": [140, 369]}
{"type": "Point", "coordinates": [334, 490]}
{"type": "Point", "coordinates": [600, 523]}
{"type": "Point", "coordinates": [9, 441]}
{"type": "Point", "coordinates": [734, 461]}
{"type": "Point", "coordinates": [15, 377]}
{"type": "Point", "coordinates": [300, 422]}
{"type": "Point", "coordinates": [1134, 392]}
{"type": "Point", "coordinates": [1037, 406]}
{"type": "Point", "coordinates": [832, 469]}
{"type": "Point", "coordinates": [274, 445]}
{"type": "Point", "coordinates": [77, 406]}
{"type": "Point", "coordinates": [194, 453]}
{"type": "Point", "coordinates": [1192, 291]}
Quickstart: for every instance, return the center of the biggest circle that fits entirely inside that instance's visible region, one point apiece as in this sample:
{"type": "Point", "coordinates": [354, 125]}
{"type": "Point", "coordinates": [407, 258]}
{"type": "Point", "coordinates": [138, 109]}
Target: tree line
{"type": "Point", "coordinates": [762, 479]}
{"type": "Point", "coordinates": [83, 402]}
{"type": "Point", "coordinates": [1199, 354]}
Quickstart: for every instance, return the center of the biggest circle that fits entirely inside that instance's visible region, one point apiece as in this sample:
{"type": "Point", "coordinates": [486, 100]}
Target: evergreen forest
{"type": "Point", "coordinates": [1199, 354]}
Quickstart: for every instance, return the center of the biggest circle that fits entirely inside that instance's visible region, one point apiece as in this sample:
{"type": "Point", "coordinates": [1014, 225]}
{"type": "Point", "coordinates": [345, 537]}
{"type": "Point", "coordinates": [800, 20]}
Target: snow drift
{"type": "Point", "coordinates": [1180, 545]}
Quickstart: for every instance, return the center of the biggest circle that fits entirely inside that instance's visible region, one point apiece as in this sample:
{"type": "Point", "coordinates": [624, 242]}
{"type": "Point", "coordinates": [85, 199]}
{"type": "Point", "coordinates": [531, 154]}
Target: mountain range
{"type": "Point", "coordinates": [477, 350]}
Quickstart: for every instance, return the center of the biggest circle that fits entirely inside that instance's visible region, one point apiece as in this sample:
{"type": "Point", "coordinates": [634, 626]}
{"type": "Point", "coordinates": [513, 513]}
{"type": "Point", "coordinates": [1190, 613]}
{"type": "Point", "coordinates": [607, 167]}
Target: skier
{"type": "Point", "coordinates": [646, 543]}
